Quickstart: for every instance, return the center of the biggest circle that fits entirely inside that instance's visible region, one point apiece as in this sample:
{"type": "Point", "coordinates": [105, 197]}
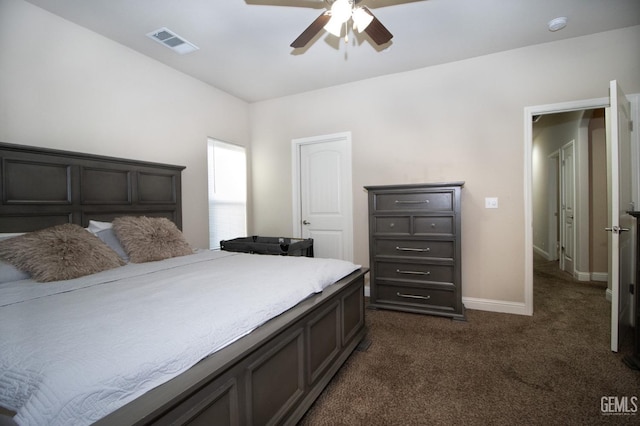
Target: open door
{"type": "Point", "coordinates": [620, 222]}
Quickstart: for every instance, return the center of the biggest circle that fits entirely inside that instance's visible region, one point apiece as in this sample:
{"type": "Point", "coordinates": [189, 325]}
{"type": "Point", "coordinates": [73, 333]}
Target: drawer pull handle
{"type": "Point", "coordinates": [399, 271]}
{"type": "Point", "coordinates": [421, 250]}
{"type": "Point", "coordinates": [412, 202]}
{"type": "Point", "coordinates": [413, 296]}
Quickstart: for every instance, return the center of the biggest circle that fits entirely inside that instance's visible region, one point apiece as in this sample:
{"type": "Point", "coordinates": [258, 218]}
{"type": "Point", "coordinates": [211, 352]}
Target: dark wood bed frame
{"type": "Point", "coordinates": [271, 376]}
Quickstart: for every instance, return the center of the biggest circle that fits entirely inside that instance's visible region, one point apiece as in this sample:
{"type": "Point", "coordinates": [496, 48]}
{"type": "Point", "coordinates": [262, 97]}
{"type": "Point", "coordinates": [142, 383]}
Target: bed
{"type": "Point", "coordinates": [268, 374]}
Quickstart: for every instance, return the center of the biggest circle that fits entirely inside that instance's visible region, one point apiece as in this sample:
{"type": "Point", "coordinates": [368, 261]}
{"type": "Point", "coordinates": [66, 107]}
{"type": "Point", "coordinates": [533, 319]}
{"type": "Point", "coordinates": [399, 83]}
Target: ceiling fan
{"type": "Point", "coordinates": [336, 18]}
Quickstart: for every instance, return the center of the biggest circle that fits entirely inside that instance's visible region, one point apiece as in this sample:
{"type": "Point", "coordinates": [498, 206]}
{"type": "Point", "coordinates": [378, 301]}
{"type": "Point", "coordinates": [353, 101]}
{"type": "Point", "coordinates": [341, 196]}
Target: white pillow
{"type": "Point", "coordinates": [104, 231]}
{"type": "Point", "coordinates": [4, 236]}
{"type": "Point", "coordinates": [95, 226]}
{"type": "Point", "coordinates": [108, 236]}
{"type": "Point", "coordinates": [8, 273]}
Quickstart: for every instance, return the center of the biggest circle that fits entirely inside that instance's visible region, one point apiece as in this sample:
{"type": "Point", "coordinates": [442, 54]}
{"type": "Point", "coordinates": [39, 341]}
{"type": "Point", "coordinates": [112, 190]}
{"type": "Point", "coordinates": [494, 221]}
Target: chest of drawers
{"type": "Point", "coordinates": [415, 248]}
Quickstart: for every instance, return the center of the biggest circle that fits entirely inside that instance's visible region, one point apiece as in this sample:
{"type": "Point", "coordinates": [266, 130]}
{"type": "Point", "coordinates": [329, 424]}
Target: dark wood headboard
{"type": "Point", "coordinates": [44, 187]}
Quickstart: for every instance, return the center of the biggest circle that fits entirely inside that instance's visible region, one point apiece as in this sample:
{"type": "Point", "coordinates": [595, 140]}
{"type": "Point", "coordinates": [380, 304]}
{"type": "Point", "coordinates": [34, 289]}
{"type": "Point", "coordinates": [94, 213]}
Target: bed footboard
{"type": "Point", "coordinates": [271, 376]}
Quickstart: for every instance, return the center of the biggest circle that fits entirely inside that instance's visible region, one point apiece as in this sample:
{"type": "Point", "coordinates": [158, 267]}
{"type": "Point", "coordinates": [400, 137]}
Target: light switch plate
{"type": "Point", "coordinates": [491, 203]}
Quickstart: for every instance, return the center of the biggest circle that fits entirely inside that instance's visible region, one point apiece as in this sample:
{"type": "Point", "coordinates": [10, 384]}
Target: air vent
{"type": "Point", "coordinates": [172, 41]}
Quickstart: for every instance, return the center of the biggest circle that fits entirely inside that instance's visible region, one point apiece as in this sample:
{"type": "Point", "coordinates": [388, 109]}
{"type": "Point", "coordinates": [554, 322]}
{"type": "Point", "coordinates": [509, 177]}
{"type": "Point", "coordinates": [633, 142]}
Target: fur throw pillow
{"type": "Point", "coordinates": [147, 239]}
{"type": "Point", "coordinates": [61, 252]}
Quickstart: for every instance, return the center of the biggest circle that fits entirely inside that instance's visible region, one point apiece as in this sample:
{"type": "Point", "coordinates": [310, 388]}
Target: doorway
{"type": "Point", "coordinates": [564, 172]}
{"type": "Point", "coordinates": [621, 136]}
{"type": "Point", "coordinates": [570, 193]}
{"type": "Point", "coordinates": [530, 154]}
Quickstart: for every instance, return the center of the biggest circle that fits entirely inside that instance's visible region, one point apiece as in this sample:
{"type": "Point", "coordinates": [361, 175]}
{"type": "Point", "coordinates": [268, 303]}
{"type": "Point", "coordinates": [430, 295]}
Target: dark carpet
{"type": "Point", "coordinates": [552, 368]}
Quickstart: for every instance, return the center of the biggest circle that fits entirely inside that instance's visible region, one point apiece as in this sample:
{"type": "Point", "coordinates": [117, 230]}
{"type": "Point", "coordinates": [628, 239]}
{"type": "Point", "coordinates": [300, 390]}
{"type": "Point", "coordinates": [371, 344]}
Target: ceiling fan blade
{"type": "Point", "coordinates": [374, 4]}
{"type": "Point", "coordinates": [311, 31]}
{"type": "Point", "coordinates": [314, 4]}
{"type": "Point", "coordinates": [378, 32]}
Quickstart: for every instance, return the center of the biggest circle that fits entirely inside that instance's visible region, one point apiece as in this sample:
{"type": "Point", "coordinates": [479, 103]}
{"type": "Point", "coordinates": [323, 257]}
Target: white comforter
{"type": "Point", "coordinates": [73, 351]}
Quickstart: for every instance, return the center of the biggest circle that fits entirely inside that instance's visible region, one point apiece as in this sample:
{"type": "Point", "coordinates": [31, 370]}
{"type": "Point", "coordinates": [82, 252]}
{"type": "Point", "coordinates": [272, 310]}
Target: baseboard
{"type": "Point", "coordinates": [600, 276]}
{"type": "Point", "coordinates": [492, 305]}
{"type": "Point", "coordinates": [582, 276]}
{"type": "Point", "coordinates": [591, 276]}
{"type": "Point", "coordinates": [541, 252]}
{"type": "Point", "coordinates": [489, 305]}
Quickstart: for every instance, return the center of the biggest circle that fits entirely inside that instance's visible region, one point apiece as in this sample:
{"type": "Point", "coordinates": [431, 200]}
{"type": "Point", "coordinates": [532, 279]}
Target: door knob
{"type": "Point", "coordinates": [305, 222]}
{"type": "Point", "coordinates": [616, 229]}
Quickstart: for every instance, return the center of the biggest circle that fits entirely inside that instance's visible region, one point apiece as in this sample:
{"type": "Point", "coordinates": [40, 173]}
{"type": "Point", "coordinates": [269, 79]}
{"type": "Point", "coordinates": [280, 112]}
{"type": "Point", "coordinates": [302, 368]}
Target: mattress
{"type": "Point", "coordinates": [73, 351]}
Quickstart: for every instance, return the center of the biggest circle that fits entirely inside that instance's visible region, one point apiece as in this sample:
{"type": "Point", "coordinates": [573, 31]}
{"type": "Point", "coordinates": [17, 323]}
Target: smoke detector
{"type": "Point", "coordinates": [557, 23]}
{"type": "Point", "coordinates": [173, 41]}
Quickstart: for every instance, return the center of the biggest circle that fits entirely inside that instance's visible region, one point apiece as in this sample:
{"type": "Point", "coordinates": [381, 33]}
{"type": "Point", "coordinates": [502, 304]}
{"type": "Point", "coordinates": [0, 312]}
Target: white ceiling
{"type": "Point", "coordinates": [244, 44]}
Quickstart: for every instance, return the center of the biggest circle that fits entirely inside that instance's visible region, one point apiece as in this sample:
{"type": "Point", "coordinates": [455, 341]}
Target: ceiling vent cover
{"type": "Point", "coordinates": [172, 41]}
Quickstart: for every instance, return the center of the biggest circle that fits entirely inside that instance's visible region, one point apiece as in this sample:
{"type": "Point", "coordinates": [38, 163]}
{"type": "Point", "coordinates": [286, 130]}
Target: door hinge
{"type": "Point", "coordinates": [632, 288]}
{"type": "Point", "coordinates": [630, 125]}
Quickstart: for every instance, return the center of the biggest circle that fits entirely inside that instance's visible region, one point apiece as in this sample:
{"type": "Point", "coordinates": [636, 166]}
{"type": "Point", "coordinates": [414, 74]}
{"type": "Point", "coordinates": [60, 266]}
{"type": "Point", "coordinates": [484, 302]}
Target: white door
{"type": "Point", "coordinates": [553, 203]}
{"type": "Point", "coordinates": [324, 212]}
{"type": "Point", "coordinates": [619, 187]}
{"type": "Point", "coordinates": [567, 205]}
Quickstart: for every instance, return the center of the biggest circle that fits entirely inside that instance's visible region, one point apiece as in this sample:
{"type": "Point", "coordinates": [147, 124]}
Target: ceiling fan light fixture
{"type": "Point", "coordinates": [338, 16]}
{"type": "Point", "coordinates": [361, 19]}
{"type": "Point", "coordinates": [340, 13]}
{"type": "Point", "coordinates": [334, 26]}
{"type": "Point", "coordinates": [341, 10]}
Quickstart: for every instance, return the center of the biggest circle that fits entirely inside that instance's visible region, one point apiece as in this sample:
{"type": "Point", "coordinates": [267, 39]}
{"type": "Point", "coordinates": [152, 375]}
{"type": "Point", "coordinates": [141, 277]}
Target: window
{"type": "Point", "coordinates": [227, 169]}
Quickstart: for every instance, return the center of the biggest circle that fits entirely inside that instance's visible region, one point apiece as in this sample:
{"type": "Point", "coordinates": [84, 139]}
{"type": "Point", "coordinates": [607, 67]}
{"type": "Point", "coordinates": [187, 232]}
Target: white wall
{"type": "Point", "coordinates": [458, 121]}
{"type": "Point", "coordinates": [64, 87]}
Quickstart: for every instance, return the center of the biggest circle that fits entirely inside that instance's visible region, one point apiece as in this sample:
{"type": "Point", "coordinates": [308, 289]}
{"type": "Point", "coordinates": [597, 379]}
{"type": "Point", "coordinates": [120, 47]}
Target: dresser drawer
{"type": "Point", "coordinates": [433, 225]}
{"type": "Point", "coordinates": [425, 297]}
{"type": "Point", "coordinates": [413, 225]}
{"type": "Point", "coordinates": [392, 225]}
{"type": "Point", "coordinates": [429, 201]}
{"type": "Point", "coordinates": [416, 272]}
{"type": "Point", "coordinates": [414, 248]}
